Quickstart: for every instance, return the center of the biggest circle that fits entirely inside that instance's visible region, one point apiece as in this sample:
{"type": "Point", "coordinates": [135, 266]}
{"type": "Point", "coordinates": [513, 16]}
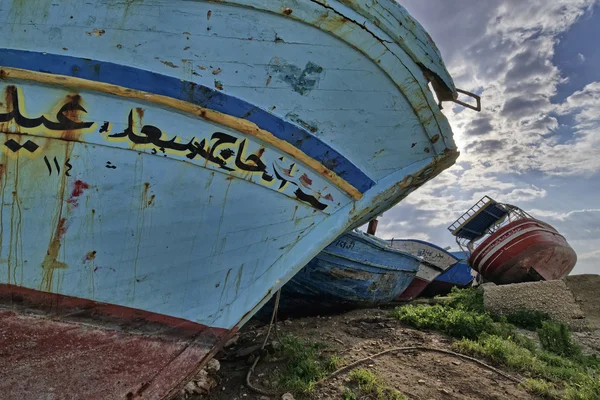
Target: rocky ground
{"type": "Point", "coordinates": [358, 334]}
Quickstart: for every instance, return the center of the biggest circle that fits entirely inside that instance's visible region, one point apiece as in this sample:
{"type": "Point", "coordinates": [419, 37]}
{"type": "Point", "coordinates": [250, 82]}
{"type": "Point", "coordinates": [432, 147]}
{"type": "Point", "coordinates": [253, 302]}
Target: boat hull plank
{"type": "Point", "coordinates": [435, 261]}
{"type": "Point", "coordinates": [212, 46]}
{"type": "Point", "coordinates": [66, 347]}
{"type": "Point", "coordinates": [110, 229]}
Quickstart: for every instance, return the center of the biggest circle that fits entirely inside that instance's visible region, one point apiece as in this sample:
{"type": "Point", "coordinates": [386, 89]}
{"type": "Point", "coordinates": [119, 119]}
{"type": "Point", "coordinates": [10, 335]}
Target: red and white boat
{"type": "Point", "coordinates": [508, 245]}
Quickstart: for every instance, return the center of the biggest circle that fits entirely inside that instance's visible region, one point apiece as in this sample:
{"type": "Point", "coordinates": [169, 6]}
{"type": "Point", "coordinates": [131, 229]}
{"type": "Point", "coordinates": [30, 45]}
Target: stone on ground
{"type": "Point", "coordinates": [586, 289]}
{"type": "Point", "coordinates": [552, 297]}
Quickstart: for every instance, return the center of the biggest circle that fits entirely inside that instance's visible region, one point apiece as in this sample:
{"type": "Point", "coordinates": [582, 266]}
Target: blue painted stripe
{"type": "Point", "coordinates": [147, 81]}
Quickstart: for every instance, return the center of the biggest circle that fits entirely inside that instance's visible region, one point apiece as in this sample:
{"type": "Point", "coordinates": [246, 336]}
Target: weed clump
{"type": "Point", "coordinates": [466, 299]}
{"type": "Point", "coordinates": [528, 319]}
{"type": "Point", "coordinates": [541, 388]}
{"type": "Point", "coordinates": [348, 394]}
{"type": "Point", "coordinates": [371, 386]}
{"type": "Point", "coordinates": [305, 365]}
{"type": "Point", "coordinates": [497, 349]}
{"type": "Point", "coordinates": [556, 338]}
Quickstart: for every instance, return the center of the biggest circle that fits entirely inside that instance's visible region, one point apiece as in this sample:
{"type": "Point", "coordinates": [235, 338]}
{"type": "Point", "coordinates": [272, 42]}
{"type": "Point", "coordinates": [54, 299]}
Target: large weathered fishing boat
{"type": "Point", "coordinates": [507, 245]}
{"type": "Point", "coordinates": [166, 166]}
{"type": "Point", "coordinates": [356, 270]}
{"type": "Point", "coordinates": [434, 262]}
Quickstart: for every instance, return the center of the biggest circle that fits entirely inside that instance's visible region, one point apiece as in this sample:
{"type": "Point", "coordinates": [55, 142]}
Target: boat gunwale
{"type": "Point", "coordinates": [374, 243]}
{"type": "Point", "coordinates": [424, 242]}
{"type": "Point", "coordinates": [433, 125]}
{"type": "Point", "coordinates": [417, 53]}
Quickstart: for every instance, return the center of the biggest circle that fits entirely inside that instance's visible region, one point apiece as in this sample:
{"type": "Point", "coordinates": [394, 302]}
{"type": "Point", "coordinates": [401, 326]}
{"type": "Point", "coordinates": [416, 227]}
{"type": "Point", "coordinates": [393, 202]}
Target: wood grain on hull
{"type": "Point", "coordinates": [78, 348]}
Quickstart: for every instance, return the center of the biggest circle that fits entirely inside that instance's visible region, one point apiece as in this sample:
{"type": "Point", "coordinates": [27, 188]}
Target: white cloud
{"type": "Point", "coordinates": [562, 216]}
{"type": "Point", "coordinates": [517, 150]}
{"type": "Point", "coordinates": [591, 255]}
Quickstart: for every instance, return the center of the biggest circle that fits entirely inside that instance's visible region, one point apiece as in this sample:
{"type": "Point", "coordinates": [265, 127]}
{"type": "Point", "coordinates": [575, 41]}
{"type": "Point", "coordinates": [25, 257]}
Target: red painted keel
{"type": "Point", "coordinates": [524, 250]}
{"type": "Point", "coordinates": [413, 290]}
{"type": "Point", "coordinates": [64, 354]}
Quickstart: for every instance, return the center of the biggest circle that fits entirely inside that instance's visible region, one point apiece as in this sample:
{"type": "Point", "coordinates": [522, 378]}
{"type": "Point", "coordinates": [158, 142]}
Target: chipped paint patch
{"type": "Point", "coordinates": [90, 256]}
{"type": "Point", "coordinates": [96, 32]}
{"type": "Point", "coordinates": [343, 273]}
{"type": "Point", "coordinates": [302, 81]}
{"type": "Point", "coordinates": [169, 64]}
{"type": "Point", "coordinates": [78, 188]}
{"type": "Point", "coordinates": [296, 118]}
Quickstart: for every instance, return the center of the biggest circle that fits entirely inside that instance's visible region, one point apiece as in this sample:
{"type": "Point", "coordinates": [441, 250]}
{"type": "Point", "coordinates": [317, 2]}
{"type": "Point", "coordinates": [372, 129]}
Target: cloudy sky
{"type": "Point", "coordinates": [536, 64]}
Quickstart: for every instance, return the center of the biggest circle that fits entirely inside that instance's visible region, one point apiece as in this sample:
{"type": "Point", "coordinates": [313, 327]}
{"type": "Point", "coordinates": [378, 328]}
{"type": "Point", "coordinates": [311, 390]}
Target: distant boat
{"type": "Point", "coordinates": [459, 275]}
{"type": "Point", "coordinates": [434, 262]}
{"type": "Point", "coordinates": [508, 245]}
{"type": "Point", "coordinates": [356, 270]}
{"type": "Point", "coordinates": [167, 166]}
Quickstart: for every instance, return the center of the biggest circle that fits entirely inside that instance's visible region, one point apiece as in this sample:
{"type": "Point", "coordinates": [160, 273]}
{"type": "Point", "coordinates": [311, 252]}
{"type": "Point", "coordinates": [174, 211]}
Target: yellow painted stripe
{"type": "Point", "coordinates": [236, 123]}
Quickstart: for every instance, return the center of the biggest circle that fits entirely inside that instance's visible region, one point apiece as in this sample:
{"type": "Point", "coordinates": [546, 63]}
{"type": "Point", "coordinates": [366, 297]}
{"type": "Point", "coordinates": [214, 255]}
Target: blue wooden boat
{"type": "Point", "coordinates": [459, 275]}
{"type": "Point", "coordinates": [356, 270]}
{"type": "Point", "coordinates": [166, 166]}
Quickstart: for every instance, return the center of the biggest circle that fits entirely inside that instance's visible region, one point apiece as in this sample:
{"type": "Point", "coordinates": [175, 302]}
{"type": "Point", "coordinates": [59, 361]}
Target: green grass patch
{"type": "Point", "coordinates": [470, 299]}
{"type": "Point", "coordinates": [371, 386]}
{"type": "Point", "coordinates": [304, 364]}
{"type": "Point", "coordinates": [455, 322]}
{"type": "Point", "coordinates": [498, 350]}
{"type": "Point", "coordinates": [558, 370]}
{"type": "Point", "coordinates": [348, 394]}
{"type": "Point", "coordinates": [552, 371]}
{"type": "Point", "coordinates": [458, 322]}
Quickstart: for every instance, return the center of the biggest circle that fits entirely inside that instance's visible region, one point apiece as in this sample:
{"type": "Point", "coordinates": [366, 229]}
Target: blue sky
{"type": "Point", "coordinates": [536, 142]}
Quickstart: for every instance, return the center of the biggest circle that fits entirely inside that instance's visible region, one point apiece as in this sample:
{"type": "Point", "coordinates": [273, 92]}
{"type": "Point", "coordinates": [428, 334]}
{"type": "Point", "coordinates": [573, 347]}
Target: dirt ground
{"type": "Point", "coordinates": [355, 335]}
{"type": "Point", "coordinates": [361, 333]}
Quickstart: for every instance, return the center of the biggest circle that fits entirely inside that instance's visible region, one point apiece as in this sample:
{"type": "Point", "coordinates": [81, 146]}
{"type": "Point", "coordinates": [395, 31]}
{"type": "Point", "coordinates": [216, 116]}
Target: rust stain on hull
{"type": "Point", "coordinates": [51, 262]}
{"type": "Point", "coordinates": [338, 273]}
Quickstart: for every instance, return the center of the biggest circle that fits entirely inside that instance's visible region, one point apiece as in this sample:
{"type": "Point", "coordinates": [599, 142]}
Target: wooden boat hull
{"type": "Point", "coordinates": [425, 275]}
{"type": "Point", "coordinates": [524, 250]}
{"type": "Point", "coordinates": [354, 271]}
{"type": "Point", "coordinates": [180, 161]}
{"type": "Point", "coordinates": [459, 275]}
{"type": "Point", "coordinates": [435, 261]}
